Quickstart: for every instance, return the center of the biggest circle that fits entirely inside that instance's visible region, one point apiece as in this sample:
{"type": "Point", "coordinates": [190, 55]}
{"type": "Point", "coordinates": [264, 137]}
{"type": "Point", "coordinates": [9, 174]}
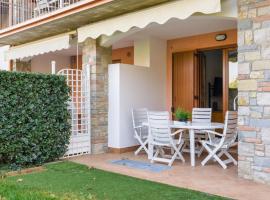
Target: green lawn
{"type": "Point", "coordinates": [70, 181]}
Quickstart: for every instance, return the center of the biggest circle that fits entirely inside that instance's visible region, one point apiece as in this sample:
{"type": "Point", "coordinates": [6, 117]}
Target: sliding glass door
{"type": "Point", "coordinates": [230, 79]}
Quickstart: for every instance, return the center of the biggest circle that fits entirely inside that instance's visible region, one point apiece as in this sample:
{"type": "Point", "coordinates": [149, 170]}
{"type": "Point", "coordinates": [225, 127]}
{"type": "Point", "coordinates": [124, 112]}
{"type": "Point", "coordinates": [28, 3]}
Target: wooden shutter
{"type": "Point", "coordinates": [183, 80]}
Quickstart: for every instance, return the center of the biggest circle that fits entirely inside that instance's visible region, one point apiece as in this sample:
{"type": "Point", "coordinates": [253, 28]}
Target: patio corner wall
{"type": "Point", "coordinates": [98, 58]}
{"type": "Point", "coordinates": [254, 89]}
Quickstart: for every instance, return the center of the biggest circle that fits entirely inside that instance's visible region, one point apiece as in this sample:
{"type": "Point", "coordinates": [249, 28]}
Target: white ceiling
{"type": "Point", "coordinates": [175, 28]}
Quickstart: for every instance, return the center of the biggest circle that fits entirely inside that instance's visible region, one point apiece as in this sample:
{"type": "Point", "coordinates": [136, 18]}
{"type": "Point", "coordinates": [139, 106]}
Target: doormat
{"type": "Point", "coordinates": [141, 165]}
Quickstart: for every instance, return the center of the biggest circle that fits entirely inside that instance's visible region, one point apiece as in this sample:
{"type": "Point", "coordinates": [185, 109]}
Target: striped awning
{"type": "Point", "coordinates": [160, 14]}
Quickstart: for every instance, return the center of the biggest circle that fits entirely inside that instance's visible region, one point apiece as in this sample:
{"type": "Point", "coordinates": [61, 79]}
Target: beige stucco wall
{"type": "Point", "coordinates": [42, 63]}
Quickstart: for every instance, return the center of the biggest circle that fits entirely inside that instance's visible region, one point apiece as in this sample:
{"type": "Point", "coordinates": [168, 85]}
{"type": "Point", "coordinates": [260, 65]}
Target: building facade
{"type": "Point", "coordinates": [93, 34]}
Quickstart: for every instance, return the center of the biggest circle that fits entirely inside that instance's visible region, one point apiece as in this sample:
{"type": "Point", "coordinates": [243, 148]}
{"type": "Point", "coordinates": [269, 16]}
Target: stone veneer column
{"type": "Point", "coordinates": [254, 90]}
{"type": "Point", "coordinates": [98, 58]}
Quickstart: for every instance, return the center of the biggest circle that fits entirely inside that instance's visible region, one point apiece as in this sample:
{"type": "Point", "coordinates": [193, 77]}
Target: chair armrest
{"type": "Point", "coordinates": [138, 130]}
{"type": "Point", "coordinates": [180, 136]}
{"type": "Point", "coordinates": [176, 132]}
{"type": "Point", "coordinates": [137, 127]}
{"type": "Point", "coordinates": [212, 132]}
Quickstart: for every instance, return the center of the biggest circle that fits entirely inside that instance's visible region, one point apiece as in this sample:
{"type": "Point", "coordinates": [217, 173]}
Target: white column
{"type": "Point", "coordinates": [53, 67]}
{"type": "Point", "coordinates": [61, 3]}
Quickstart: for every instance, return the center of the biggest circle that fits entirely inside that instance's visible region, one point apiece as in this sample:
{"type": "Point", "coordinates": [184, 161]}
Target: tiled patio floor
{"type": "Point", "coordinates": [211, 178]}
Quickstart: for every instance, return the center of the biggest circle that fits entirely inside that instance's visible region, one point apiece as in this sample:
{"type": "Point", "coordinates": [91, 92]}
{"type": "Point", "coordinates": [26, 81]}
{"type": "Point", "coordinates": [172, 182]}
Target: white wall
{"type": "Point", "coordinates": [42, 63]}
{"type": "Point", "coordinates": [147, 51]}
{"type": "Point", "coordinates": [132, 87]}
{"type": "Point", "coordinates": [158, 65]}
{"type": "Point", "coordinates": [142, 50]}
{"type": "Point", "coordinates": [4, 65]}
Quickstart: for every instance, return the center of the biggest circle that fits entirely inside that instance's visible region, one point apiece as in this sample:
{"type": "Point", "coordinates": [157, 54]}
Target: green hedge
{"type": "Point", "coordinates": [34, 120]}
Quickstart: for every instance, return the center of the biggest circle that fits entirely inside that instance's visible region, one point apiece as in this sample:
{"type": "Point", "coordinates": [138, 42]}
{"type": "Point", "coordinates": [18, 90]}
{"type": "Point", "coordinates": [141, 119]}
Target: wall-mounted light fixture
{"type": "Point", "coordinates": [221, 37]}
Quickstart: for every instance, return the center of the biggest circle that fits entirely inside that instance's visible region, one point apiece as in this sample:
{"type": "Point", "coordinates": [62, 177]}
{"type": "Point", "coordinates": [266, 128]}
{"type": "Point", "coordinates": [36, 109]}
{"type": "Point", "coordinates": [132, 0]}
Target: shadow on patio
{"type": "Point", "coordinates": [210, 178]}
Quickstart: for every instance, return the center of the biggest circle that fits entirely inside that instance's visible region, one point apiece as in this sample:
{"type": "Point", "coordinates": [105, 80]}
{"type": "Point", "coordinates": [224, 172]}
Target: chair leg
{"type": "Point", "coordinates": [212, 153]}
{"type": "Point", "coordinates": [173, 159]}
{"type": "Point", "coordinates": [138, 150]}
{"type": "Point", "coordinates": [220, 161]}
{"type": "Point", "coordinates": [200, 151]}
{"type": "Point", "coordinates": [230, 157]}
{"type": "Point", "coordinates": [185, 147]}
{"type": "Point", "coordinates": [155, 155]}
{"type": "Point", "coordinates": [142, 146]}
{"type": "Point", "coordinates": [177, 153]}
{"type": "Point", "coordinates": [180, 156]}
{"type": "Point", "coordinates": [172, 151]}
{"type": "Point", "coordinates": [219, 155]}
{"type": "Point", "coordinates": [162, 152]}
{"type": "Point", "coordinates": [179, 150]}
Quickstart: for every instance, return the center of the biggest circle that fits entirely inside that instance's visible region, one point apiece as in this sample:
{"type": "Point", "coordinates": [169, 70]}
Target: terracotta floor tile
{"type": "Point", "coordinates": [211, 178]}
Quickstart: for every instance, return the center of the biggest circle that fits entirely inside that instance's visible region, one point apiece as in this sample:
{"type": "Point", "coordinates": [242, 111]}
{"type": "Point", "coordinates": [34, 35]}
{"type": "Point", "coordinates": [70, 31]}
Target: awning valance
{"type": "Point", "coordinates": [51, 44]}
{"type": "Point", "coordinates": [180, 9]}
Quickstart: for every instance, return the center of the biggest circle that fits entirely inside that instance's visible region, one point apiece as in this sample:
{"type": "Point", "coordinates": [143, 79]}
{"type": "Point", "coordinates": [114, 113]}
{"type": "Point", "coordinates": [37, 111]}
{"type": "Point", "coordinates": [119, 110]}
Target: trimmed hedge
{"type": "Point", "coordinates": [34, 120]}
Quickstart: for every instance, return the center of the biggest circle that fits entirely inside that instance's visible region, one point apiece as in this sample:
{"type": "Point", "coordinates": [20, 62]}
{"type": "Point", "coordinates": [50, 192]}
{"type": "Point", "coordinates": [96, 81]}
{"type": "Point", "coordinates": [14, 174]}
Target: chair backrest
{"type": "Point", "coordinates": [42, 4]}
{"type": "Point", "coordinates": [203, 115]}
{"type": "Point", "coordinates": [159, 127]}
{"type": "Point", "coordinates": [230, 126]}
{"type": "Point", "coordinates": [139, 116]}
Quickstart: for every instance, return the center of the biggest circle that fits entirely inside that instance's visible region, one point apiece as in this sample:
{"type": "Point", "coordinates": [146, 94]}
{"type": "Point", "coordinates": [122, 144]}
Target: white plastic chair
{"type": "Point", "coordinates": [202, 115]}
{"type": "Point", "coordinates": [139, 116]}
{"type": "Point", "coordinates": [218, 146]}
{"type": "Point", "coordinates": [199, 115]}
{"type": "Point", "coordinates": [162, 137]}
{"type": "Point", "coordinates": [44, 6]}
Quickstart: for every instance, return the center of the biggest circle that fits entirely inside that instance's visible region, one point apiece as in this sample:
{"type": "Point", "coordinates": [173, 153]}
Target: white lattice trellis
{"type": "Point", "coordinates": [79, 107]}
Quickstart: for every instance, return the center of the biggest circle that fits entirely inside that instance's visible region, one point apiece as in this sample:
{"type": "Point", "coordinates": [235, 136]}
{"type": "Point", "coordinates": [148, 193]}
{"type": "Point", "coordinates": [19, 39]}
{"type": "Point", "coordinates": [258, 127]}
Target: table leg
{"type": "Point", "coordinates": [192, 147]}
{"type": "Point", "coordinates": [150, 146]}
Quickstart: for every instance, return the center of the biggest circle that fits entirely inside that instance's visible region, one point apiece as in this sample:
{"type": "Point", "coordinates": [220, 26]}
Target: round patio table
{"type": "Point", "coordinates": [191, 126]}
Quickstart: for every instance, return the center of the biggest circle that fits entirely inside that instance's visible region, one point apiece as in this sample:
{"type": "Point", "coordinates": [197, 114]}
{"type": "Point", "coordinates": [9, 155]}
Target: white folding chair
{"type": "Point", "coordinates": [162, 137]}
{"type": "Point", "coordinates": [219, 146]}
{"type": "Point", "coordinates": [44, 6]}
{"type": "Point", "coordinates": [139, 116]}
{"type": "Point", "coordinates": [199, 115]}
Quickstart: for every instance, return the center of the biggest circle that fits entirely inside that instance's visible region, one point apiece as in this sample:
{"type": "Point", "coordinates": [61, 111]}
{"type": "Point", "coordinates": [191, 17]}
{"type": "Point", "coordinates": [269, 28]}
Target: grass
{"type": "Point", "coordinates": [70, 181]}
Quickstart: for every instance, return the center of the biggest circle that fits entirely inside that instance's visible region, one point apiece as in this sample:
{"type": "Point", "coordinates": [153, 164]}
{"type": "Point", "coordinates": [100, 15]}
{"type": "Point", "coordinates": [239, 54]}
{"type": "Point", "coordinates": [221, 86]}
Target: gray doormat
{"type": "Point", "coordinates": [141, 165]}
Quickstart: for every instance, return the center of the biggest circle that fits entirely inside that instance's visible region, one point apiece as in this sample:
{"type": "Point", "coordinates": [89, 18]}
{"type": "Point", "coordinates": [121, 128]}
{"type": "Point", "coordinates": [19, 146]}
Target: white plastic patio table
{"type": "Point", "coordinates": [191, 127]}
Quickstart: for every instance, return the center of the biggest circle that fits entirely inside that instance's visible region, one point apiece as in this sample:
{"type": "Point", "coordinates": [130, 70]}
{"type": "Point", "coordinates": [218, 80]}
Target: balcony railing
{"type": "Point", "coordinates": [13, 12]}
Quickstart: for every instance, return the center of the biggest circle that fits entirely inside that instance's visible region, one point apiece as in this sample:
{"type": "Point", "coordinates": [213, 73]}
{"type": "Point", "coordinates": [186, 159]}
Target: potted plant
{"type": "Point", "coordinates": [182, 115]}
